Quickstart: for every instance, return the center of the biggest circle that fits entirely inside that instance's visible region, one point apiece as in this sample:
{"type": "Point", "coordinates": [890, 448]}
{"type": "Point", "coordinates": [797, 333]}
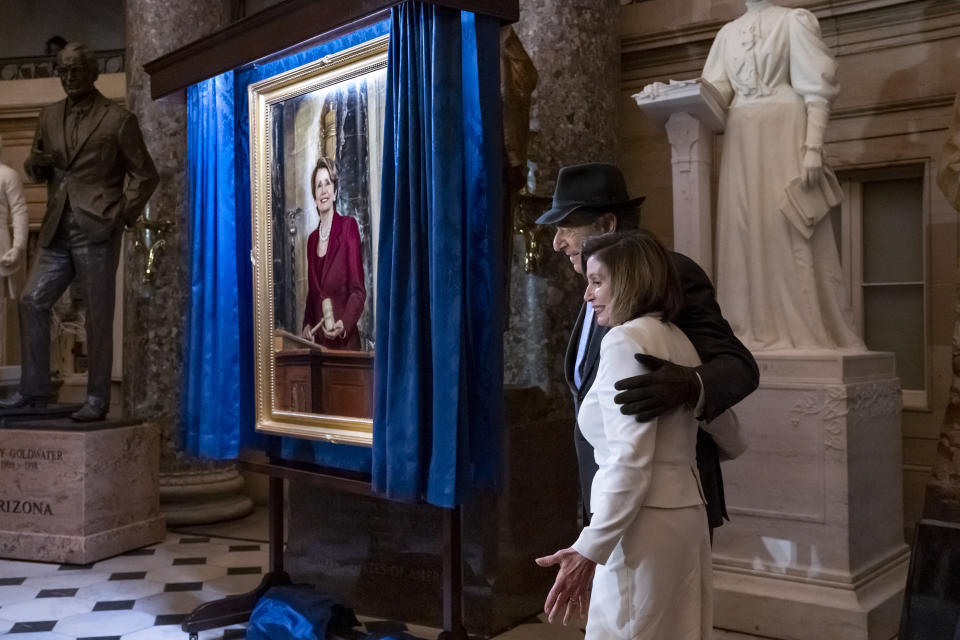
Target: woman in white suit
{"type": "Point", "coordinates": [646, 552]}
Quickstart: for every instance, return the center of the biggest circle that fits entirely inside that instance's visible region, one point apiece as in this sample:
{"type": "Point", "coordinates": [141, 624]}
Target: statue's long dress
{"type": "Point", "coordinates": [778, 289]}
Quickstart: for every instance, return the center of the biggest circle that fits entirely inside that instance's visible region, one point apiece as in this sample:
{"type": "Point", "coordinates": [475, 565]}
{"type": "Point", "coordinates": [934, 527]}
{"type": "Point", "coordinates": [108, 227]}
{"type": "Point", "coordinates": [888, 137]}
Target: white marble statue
{"type": "Point", "coordinates": [778, 271]}
{"type": "Point", "coordinates": [13, 231]}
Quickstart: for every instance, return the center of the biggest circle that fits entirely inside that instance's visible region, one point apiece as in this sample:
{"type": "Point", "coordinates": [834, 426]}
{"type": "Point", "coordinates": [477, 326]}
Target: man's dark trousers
{"type": "Point", "coordinates": [91, 269]}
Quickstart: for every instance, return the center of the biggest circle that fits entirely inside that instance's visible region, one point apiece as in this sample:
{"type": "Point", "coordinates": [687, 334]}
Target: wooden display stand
{"type": "Point", "coordinates": [237, 609]}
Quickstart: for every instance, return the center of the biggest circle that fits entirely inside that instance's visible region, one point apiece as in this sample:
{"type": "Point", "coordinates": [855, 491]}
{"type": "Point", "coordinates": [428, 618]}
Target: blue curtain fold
{"type": "Point", "coordinates": [218, 377]}
{"type": "Point", "coordinates": [438, 372]}
{"type": "Point", "coordinates": [483, 171]}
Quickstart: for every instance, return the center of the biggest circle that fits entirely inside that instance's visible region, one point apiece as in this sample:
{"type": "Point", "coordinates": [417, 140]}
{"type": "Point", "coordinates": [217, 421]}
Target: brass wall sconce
{"type": "Point", "coordinates": [536, 238]}
{"type": "Point", "coordinates": [151, 240]}
{"type": "Point", "coordinates": [532, 245]}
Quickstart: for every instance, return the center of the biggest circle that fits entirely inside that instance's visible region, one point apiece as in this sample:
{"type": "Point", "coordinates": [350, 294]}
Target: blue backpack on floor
{"type": "Point", "coordinates": [297, 612]}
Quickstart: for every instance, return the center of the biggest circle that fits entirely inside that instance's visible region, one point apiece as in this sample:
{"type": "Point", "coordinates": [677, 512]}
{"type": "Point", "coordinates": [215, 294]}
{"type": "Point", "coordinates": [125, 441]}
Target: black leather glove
{"type": "Point", "coordinates": [666, 387]}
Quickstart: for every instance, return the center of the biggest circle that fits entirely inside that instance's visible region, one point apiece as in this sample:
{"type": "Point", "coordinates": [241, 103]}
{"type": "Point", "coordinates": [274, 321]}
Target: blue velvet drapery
{"type": "Point", "coordinates": [438, 373]}
{"type": "Point", "coordinates": [218, 378]}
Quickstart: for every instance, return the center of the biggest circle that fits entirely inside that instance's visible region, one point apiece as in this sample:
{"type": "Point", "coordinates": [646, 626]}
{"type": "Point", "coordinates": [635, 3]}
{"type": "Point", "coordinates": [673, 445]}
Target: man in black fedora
{"type": "Point", "coordinates": [591, 199]}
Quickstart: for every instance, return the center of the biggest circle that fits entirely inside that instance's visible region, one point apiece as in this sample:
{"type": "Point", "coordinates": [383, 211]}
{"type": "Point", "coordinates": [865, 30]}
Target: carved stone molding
{"type": "Point", "coordinates": [687, 141]}
{"type": "Point", "coordinates": [869, 400]}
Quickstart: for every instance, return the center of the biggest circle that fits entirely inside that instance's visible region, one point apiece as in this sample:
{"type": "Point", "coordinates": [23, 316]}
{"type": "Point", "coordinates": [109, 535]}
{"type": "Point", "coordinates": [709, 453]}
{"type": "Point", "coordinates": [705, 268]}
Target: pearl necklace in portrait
{"type": "Point", "coordinates": [325, 237]}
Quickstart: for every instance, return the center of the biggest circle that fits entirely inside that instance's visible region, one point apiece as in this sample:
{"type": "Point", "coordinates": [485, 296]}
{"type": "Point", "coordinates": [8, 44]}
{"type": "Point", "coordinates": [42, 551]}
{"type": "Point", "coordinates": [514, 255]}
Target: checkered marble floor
{"type": "Point", "coordinates": [141, 595]}
{"type": "Point", "coordinates": [145, 595]}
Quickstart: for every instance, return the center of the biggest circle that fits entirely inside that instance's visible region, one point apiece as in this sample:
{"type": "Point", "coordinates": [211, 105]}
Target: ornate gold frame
{"type": "Point", "coordinates": [351, 63]}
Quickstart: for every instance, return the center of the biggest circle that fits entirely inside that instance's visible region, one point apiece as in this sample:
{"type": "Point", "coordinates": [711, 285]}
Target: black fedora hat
{"type": "Point", "coordinates": [595, 186]}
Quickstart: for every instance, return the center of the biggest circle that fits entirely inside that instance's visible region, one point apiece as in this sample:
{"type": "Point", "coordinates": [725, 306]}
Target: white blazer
{"type": "Point", "coordinates": [13, 213]}
{"type": "Point", "coordinates": [651, 464]}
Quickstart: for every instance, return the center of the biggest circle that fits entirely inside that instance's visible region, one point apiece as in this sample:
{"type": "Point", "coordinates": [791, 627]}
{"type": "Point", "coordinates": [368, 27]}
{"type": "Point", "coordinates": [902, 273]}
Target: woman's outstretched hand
{"type": "Point", "coordinates": [571, 590]}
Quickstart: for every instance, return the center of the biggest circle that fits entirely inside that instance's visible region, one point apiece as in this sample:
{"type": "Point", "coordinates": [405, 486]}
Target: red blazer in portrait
{"type": "Point", "coordinates": [338, 276]}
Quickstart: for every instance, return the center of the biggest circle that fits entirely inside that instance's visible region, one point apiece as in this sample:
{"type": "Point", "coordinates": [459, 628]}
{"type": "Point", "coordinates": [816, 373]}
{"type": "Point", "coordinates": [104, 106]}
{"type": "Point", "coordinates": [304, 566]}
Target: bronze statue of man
{"type": "Point", "coordinates": [99, 176]}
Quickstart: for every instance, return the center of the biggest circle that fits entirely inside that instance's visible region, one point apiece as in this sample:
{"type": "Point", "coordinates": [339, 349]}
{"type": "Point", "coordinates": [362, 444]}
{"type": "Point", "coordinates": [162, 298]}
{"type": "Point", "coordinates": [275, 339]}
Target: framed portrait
{"type": "Point", "coordinates": [315, 155]}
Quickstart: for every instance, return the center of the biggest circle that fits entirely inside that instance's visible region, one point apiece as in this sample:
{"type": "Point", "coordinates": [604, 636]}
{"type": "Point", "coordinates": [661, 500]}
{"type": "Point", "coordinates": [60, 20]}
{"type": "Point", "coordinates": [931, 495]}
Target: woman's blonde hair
{"type": "Point", "coordinates": [642, 276]}
{"type": "Point", "coordinates": [323, 162]}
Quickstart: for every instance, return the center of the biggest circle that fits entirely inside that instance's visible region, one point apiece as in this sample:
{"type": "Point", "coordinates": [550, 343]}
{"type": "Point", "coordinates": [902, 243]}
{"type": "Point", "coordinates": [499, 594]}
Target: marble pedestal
{"type": "Point", "coordinates": [815, 545]}
{"type": "Point", "coordinates": [78, 494]}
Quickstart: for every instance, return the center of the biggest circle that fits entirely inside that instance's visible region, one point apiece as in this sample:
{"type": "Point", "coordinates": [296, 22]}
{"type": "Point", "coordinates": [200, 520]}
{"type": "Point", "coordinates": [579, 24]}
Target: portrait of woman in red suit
{"type": "Point", "coordinates": [334, 268]}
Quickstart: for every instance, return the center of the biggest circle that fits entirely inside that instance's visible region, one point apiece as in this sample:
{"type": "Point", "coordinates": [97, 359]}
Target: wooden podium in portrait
{"type": "Point", "coordinates": [312, 379]}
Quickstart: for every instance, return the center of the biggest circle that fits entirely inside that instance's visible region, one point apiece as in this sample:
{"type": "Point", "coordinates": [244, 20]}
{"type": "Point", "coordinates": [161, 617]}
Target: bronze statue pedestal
{"type": "Point", "coordinates": [78, 492]}
{"type": "Point", "coordinates": [32, 414]}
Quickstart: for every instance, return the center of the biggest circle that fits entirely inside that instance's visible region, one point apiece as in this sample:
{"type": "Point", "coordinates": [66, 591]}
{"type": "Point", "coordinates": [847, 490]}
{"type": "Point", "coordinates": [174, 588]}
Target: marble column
{"type": "Point", "coordinates": [192, 490]}
{"type": "Point", "coordinates": [155, 313]}
{"type": "Point", "coordinates": [575, 48]}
